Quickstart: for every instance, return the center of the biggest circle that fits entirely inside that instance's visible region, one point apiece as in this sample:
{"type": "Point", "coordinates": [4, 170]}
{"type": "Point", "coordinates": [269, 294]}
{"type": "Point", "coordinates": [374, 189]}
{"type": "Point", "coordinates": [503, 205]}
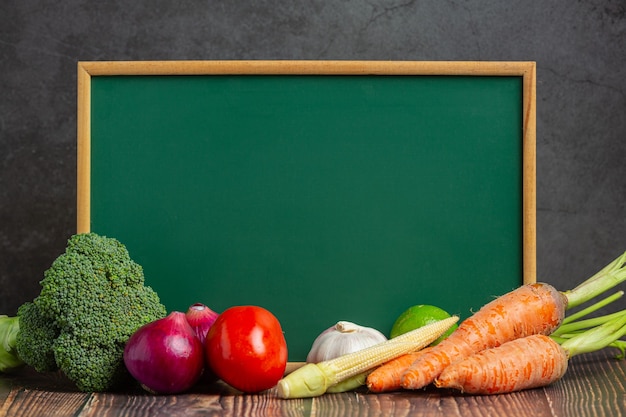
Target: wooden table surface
{"type": "Point", "coordinates": [595, 385]}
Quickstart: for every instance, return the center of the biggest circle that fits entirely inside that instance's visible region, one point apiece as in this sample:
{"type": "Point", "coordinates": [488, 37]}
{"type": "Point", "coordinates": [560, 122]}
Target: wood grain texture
{"type": "Point", "coordinates": [530, 173]}
{"type": "Point", "coordinates": [593, 386]}
{"type": "Point", "coordinates": [483, 68]}
{"type": "Point", "coordinates": [83, 150]}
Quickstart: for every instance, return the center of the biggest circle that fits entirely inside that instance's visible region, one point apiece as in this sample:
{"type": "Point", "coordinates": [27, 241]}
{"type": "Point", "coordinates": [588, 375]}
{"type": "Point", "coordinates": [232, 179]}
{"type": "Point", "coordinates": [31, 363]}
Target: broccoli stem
{"type": "Point", "coordinates": [605, 279]}
{"type": "Point", "coordinates": [9, 326]}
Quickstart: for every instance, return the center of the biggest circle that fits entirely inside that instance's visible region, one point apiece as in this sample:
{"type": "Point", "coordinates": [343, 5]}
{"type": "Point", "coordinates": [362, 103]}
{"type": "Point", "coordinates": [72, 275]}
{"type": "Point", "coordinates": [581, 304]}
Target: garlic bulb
{"type": "Point", "coordinates": [343, 338]}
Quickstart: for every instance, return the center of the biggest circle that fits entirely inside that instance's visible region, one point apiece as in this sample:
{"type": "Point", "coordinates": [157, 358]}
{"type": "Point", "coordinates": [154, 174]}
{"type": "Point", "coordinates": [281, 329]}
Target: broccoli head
{"type": "Point", "coordinates": [92, 299]}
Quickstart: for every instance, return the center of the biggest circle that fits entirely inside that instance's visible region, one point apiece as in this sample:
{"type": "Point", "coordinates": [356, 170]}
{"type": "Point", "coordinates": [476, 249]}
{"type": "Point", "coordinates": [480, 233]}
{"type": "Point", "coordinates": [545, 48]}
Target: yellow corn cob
{"type": "Point", "coordinates": [313, 379]}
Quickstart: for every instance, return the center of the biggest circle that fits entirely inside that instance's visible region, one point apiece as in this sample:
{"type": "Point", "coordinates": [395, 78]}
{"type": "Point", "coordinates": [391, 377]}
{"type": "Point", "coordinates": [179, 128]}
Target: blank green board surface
{"type": "Point", "coordinates": [319, 197]}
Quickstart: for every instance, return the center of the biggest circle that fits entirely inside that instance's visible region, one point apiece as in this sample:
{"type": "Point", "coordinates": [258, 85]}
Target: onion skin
{"type": "Point", "coordinates": [201, 318]}
{"type": "Point", "coordinates": [165, 356]}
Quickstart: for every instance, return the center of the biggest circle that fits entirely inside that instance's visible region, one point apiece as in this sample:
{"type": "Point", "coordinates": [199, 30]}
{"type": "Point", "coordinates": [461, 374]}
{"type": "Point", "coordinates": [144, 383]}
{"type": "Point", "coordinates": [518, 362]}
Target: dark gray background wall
{"type": "Point", "coordinates": [579, 47]}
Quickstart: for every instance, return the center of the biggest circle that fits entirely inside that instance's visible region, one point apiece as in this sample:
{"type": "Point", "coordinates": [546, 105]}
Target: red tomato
{"type": "Point", "coordinates": [246, 348]}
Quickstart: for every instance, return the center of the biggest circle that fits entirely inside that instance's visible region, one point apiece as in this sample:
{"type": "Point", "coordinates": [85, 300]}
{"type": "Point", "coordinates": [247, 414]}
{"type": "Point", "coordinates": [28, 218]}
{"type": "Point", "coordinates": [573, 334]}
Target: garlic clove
{"type": "Point", "coordinates": [343, 338]}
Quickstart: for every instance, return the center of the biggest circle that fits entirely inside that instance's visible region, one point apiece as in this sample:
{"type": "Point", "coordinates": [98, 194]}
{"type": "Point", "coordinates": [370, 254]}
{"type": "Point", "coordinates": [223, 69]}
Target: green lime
{"type": "Point", "coordinates": [418, 316]}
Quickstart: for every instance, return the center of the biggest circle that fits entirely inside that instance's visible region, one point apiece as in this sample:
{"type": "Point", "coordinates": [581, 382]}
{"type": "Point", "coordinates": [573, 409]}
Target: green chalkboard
{"type": "Point", "coordinates": [320, 196]}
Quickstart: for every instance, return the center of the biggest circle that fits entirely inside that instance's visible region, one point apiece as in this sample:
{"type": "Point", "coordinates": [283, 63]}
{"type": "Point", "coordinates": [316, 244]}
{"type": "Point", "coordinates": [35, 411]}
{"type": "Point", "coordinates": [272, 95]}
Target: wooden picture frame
{"type": "Point", "coordinates": [381, 89]}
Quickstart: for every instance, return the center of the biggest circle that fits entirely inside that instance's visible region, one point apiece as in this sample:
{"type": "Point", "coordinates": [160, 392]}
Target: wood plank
{"type": "Point", "coordinates": [220, 400]}
{"type": "Point", "coordinates": [29, 403]}
{"type": "Point", "coordinates": [593, 386]}
{"type": "Point", "coordinates": [431, 402]}
{"type": "Point", "coordinates": [30, 394]}
{"type": "Point", "coordinates": [83, 150]}
{"type": "Point", "coordinates": [108, 68]}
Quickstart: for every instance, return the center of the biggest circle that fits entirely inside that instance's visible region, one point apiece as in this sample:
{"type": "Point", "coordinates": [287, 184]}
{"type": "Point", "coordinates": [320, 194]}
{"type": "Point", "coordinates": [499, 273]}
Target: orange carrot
{"type": "Point", "coordinates": [530, 309]}
{"type": "Point", "coordinates": [387, 377]}
{"type": "Point", "coordinates": [528, 362]}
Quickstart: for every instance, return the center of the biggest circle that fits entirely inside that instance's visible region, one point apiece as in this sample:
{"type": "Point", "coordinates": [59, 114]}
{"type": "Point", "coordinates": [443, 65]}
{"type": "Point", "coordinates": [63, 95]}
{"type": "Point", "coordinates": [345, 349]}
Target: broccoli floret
{"type": "Point", "coordinates": [35, 338]}
{"type": "Point", "coordinates": [93, 298]}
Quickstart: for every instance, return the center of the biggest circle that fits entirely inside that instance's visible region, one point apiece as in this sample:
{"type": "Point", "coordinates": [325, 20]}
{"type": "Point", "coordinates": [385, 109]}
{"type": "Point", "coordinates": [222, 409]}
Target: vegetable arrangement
{"type": "Point", "coordinates": [314, 379]}
{"type": "Point", "coordinates": [535, 309]}
{"type": "Point", "coordinates": [530, 309]}
{"type": "Point", "coordinates": [96, 321]}
{"type": "Point", "coordinates": [528, 362]}
{"type": "Point", "coordinates": [92, 299]}
{"type": "Point", "coordinates": [244, 346]}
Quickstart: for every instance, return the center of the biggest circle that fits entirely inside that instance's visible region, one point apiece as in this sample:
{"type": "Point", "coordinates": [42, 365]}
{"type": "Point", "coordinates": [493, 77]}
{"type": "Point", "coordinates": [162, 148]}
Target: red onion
{"type": "Point", "coordinates": [201, 318]}
{"type": "Point", "coordinates": [165, 356]}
